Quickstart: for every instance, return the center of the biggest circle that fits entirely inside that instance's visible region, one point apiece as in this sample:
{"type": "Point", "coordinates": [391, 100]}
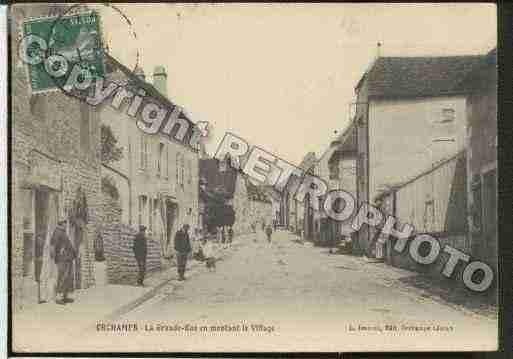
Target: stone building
{"type": "Point", "coordinates": [241, 206]}
{"type": "Point", "coordinates": [157, 178]}
{"type": "Point", "coordinates": [275, 197]}
{"type": "Point", "coordinates": [249, 202]}
{"type": "Point", "coordinates": [337, 168]}
{"type": "Point", "coordinates": [304, 213]}
{"type": "Point", "coordinates": [217, 183]}
{"type": "Point", "coordinates": [251, 205]}
{"type": "Point", "coordinates": [409, 113]}
{"type": "Point", "coordinates": [55, 174]}
{"type": "Point", "coordinates": [260, 203]}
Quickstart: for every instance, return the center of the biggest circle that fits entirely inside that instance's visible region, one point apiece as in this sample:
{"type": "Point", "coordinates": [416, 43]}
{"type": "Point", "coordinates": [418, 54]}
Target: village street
{"type": "Point", "coordinates": [305, 300]}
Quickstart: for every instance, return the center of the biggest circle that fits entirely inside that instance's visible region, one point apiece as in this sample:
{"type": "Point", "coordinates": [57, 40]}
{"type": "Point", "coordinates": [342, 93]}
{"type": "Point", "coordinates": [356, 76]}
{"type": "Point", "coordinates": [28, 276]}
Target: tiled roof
{"type": "Point", "coordinates": [393, 77]}
{"type": "Point", "coordinates": [480, 77]}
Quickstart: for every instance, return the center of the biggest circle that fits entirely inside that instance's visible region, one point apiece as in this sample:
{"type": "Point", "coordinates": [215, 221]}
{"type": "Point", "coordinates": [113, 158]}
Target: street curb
{"type": "Point", "coordinates": [138, 301]}
{"type": "Point", "coordinates": [148, 295]}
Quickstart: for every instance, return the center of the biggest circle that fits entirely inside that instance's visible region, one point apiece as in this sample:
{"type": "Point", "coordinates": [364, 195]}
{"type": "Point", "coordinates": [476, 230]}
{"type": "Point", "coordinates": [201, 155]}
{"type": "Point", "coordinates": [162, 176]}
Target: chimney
{"type": "Point", "coordinates": [378, 49]}
{"type": "Point", "coordinates": [139, 72]}
{"type": "Point", "coordinates": [160, 79]}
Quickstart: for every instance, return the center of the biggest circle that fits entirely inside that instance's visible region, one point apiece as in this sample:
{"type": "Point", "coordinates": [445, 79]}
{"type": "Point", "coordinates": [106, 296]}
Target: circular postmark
{"type": "Point", "coordinates": [72, 51]}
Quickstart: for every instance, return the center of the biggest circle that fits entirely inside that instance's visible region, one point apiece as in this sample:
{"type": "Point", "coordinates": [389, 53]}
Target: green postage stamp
{"type": "Point", "coordinates": [75, 37]}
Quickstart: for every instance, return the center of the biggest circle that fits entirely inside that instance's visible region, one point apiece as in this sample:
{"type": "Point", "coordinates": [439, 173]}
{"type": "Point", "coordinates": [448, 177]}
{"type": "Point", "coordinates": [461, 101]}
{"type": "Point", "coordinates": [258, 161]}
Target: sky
{"type": "Point", "coordinates": [282, 76]}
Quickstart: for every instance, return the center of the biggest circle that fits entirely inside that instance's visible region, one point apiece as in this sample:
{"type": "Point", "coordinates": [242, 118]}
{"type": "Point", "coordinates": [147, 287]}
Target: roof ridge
{"type": "Point", "coordinates": [419, 76]}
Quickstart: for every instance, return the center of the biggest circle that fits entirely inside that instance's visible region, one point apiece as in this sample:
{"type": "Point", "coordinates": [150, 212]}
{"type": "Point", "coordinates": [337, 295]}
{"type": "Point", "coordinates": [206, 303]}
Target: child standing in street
{"type": "Point", "coordinates": [209, 251]}
{"type": "Point", "coordinates": [269, 232]}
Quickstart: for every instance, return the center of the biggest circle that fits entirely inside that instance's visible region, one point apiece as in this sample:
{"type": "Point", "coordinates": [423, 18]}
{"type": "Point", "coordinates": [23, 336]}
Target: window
{"type": "Point", "coordinates": [444, 123]}
{"type": "Point", "coordinates": [182, 170]}
{"type": "Point", "coordinates": [167, 161]}
{"type": "Point", "coordinates": [155, 212]}
{"type": "Point", "coordinates": [178, 168]}
{"type": "Point", "coordinates": [142, 209]}
{"type": "Point", "coordinates": [144, 152]}
{"type": "Point", "coordinates": [448, 115]}
{"type": "Point", "coordinates": [84, 128]}
{"type": "Point", "coordinates": [334, 170]}
{"type": "Point", "coordinates": [159, 159]}
{"type": "Point", "coordinates": [429, 216]}
{"type": "Point", "coordinates": [189, 172]}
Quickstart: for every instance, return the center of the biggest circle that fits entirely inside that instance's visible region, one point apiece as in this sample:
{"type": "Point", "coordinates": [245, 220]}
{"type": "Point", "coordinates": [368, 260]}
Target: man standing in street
{"type": "Point", "coordinates": [140, 250]}
{"type": "Point", "coordinates": [182, 248]}
{"type": "Point", "coordinates": [230, 235]}
{"type": "Point", "coordinates": [63, 253]}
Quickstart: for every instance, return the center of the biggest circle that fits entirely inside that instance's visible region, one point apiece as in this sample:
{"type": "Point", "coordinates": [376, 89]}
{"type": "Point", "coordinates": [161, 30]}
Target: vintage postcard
{"type": "Point", "coordinates": [253, 177]}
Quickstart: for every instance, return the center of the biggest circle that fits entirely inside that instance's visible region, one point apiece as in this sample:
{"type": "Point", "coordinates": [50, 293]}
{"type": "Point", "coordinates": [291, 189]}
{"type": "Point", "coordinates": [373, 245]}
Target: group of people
{"type": "Point", "coordinates": [202, 247]}
{"type": "Point", "coordinates": [63, 254]}
{"type": "Point", "coordinates": [267, 229]}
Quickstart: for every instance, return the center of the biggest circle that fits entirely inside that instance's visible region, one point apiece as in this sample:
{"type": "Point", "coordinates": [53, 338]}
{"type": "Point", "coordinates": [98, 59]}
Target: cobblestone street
{"type": "Point", "coordinates": [298, 298]}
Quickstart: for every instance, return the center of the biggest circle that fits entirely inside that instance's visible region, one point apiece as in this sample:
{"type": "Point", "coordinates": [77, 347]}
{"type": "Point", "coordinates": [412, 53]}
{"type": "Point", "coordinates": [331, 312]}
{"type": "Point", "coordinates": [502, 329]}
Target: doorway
{"type": "Point", "coordinates": [309, 222]}
{"type": "Point", "coordinates": [40, 211]}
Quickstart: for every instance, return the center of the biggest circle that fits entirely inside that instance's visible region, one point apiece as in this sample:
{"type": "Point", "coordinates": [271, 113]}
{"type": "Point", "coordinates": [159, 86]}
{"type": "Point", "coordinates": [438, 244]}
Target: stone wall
{"type": "Point", "coordinates": [248, 210]}
{"type": "Point", "coordinates": [49, 125]}
{"type": "Point", "coordinates": [121, 263]}
{"type": "Point", "coordinates": [241, 206]}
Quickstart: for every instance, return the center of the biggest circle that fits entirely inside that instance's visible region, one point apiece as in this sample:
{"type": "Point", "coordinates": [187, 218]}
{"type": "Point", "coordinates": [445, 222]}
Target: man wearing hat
{"type": "Point", "coordinates": [182, 248]}
{"type": "Point", "coordinates": [63, 253]}
{"type": "Point", "coordinates": [140, 250]}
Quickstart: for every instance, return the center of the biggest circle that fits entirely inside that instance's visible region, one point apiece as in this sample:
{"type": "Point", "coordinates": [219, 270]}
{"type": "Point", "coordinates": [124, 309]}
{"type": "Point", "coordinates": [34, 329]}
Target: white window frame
{"type": "Point", "coordinates": [189, 171]}
{"type": "Point", "coordinates": [167, 161]}
{"type": "Point", "coordinates": [159, 159]}
{"type": "Point", "coordinates": [182, 170]}
{"type": "Point", "coordinates": [178, 168]}
{"type": "Point", "coordinates": [143, 151]}
{"type": "Point", "coordinates": [143, 201]}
